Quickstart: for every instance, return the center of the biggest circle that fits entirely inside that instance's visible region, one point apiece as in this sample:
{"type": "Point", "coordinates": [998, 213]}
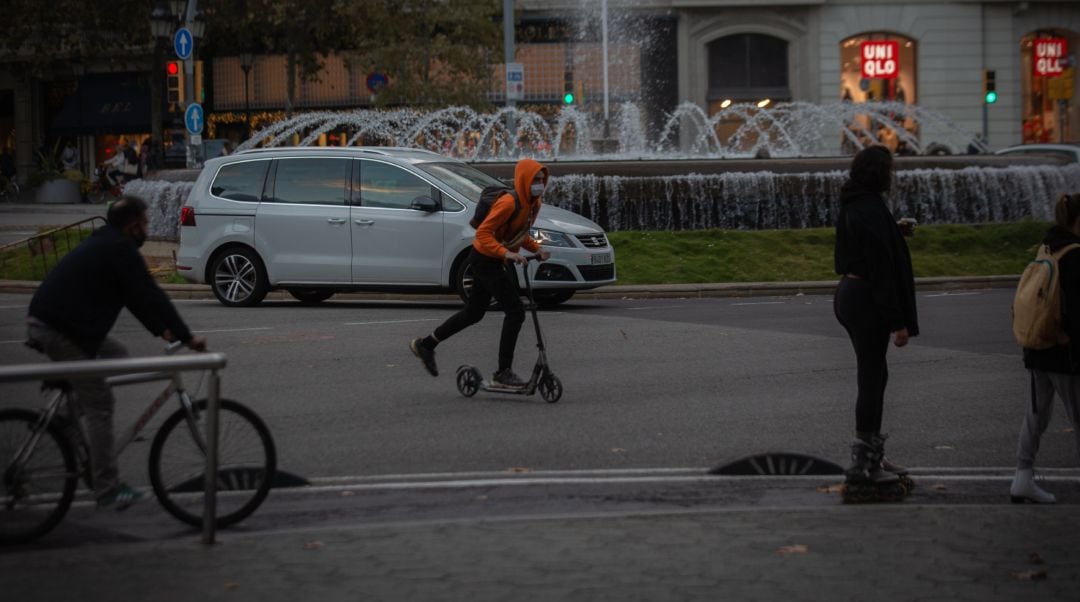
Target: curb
{"type": "Point", "coordinates": [617, 291]}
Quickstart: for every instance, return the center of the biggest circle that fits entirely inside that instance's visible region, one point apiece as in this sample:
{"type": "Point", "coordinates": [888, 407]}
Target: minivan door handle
{"type": "Point", "coordinates": [336, 220]}
{"type": "Point", "coordinates": [364, 222]}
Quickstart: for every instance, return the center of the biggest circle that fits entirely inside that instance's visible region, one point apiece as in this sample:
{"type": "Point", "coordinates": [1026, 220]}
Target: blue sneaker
{"type": "Point", "coordinates": [119, 498]}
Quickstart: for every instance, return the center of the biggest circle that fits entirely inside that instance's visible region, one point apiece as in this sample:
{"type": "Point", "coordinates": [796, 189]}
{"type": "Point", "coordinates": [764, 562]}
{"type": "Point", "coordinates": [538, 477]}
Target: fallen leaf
{"type": "Point", "coordinates": [618, 450]}
{"type": "Point", "coordinates": [347, 493]}
{"type": "Point", "coordinates": [938, 487]}
{"type": "Point", "coordinates": [837, 488]}
{"type": "Point", "coordinates": [1030, 576]}
{"type": "Point", "coordinates": [623, 334]}
{"type": "Point", "coordinates": [519, 469]}
{"type": "Point", "coordinates": [1034, 558]}
{"type": "Point", "coordinates": [792, 550]}
{"type": "Point", "coordinates": [313, 545]}
{"type": "Point", "coordinates": [944, 447]}
{"type": "Point", "coordinates": [231, 585]}
{"type": "Point", "coordinates": [1067, 429]}
{"type": "Point", "coordinates": [481, 498]}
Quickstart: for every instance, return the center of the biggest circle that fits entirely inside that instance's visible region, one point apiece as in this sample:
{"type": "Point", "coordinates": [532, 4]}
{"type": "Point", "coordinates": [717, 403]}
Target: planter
{"type": "Point", "coordinates": [61, 190]}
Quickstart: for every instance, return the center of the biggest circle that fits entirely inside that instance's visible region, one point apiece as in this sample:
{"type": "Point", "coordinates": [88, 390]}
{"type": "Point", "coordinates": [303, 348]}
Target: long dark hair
{"type": "Point", "coordinates": [871, 169]}
{"type": "Point", "coordinates": [125, 210]}
{"type": "Point", "coordinates": [1067, 210]}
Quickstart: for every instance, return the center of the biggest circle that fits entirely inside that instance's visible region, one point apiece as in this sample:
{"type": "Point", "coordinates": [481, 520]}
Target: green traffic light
{"type": "Point", "coordinates": [568, 98]}
{"type": "Point", "coordinates": [991, 97]}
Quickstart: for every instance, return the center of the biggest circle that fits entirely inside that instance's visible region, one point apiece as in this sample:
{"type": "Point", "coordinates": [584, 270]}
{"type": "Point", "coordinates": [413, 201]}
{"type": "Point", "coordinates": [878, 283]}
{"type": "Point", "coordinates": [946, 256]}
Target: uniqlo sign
{"type": "Point", "coordinates": [880, 60]}
{"type": "Point", "coordinates": [1048, 54]}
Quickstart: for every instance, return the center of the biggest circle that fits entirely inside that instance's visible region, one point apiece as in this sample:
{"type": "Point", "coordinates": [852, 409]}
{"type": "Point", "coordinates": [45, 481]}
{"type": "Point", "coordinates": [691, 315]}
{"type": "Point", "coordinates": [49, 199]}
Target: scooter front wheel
{"type": "Point", "coordinates": [468, 380]}
{"type": "Point", "coordinates": [550, 388]}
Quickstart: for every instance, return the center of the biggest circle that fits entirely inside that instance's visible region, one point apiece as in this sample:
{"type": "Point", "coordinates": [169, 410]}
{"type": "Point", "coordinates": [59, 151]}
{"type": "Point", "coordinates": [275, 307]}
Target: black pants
{"type": "Point", "coordinates": [854, 309]}
{"type": "Point", "coordinates": [492, 278]}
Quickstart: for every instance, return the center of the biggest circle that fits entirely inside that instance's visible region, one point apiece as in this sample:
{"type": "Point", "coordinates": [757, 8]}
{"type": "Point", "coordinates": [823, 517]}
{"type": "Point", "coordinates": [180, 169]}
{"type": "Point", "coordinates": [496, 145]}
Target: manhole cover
{"type": "Point", "coordinates": [778, 463]}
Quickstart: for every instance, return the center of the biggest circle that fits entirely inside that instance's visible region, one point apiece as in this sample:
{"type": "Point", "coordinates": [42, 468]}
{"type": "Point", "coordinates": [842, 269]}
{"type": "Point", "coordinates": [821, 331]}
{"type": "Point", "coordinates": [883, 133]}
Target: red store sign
{"type": "Point", "coordinates": [1047, 56]}
{"type": "Point", "coordinates": [880, 60]}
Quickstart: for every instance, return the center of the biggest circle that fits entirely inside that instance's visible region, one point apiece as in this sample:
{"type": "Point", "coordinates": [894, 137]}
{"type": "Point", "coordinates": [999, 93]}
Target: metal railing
{"type": "Point", "coordinates": [137, 366]}
{"type": "Point", "coordinates": [54, 244]}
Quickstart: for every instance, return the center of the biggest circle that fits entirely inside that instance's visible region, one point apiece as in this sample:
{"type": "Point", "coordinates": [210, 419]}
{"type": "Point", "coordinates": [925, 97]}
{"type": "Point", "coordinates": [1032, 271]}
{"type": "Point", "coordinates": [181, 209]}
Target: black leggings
{"type": "Point", "coordinates": [491, 278]}
{"type": "Point", "coordinates": [854, 309]}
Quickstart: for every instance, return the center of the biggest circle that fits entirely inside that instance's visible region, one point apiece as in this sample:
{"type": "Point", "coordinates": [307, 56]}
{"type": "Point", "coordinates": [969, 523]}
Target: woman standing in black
{"type": "Point", "coordinates": [874, 299]}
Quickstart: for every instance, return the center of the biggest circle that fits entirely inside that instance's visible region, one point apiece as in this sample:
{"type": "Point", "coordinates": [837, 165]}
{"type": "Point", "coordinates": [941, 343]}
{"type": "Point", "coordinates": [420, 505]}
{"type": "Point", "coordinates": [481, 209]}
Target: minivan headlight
{"type": "Point", "coordinates": [550, 238]}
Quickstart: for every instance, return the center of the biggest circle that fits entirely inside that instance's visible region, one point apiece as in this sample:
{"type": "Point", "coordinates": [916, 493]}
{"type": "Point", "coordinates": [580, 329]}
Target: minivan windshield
{"type": "Point", "coordinates": [465, 180]}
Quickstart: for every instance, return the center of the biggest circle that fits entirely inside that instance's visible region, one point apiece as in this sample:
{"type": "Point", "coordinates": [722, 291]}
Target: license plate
{"type": "Point", "coordinates": [601, 259]}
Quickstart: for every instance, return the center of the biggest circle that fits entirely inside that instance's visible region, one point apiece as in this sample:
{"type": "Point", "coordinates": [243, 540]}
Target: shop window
{"type": "Point", "coordinates": [1050, 108]}
{"type": "Point", "coordinates": [880, 67]}
{"type": "Point", "coordinates": [747, 67]}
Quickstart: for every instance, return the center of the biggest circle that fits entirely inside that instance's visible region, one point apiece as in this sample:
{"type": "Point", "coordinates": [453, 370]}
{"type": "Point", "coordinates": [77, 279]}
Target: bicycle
{"type": "Point", "coordinates": [44, 453]}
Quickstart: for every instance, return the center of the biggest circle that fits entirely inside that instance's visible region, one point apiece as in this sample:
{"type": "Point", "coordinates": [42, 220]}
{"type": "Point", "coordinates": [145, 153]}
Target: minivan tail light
{"type": "Point", "coordinates": [187, 216]}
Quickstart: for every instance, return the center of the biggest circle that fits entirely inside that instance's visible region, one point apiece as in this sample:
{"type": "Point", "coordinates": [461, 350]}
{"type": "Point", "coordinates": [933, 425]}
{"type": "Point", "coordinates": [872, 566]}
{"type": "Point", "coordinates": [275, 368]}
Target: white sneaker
{"type": "Point", "coordinates": [1024, 489]}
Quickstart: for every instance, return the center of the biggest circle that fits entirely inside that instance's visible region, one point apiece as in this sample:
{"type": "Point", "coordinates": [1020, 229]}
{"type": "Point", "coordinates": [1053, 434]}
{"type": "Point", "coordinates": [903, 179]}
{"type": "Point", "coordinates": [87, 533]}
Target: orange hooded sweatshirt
{"type": "Point", "coordinates": [499, 234]}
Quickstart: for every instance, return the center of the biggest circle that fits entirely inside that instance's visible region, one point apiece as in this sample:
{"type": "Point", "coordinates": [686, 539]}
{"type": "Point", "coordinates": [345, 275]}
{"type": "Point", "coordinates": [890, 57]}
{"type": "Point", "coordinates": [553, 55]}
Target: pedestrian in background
{"type": "Point", "coordinates": [874, 299]}
{"type": "Point", "coordinates": [1053, 370]}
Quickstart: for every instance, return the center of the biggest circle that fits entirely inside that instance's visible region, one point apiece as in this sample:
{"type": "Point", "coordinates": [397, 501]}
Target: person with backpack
{"type": "Point", "coordinates": [502, 229]}
{"type": "Point", "coordinates": [1050, 334]}
{"type": "Point", "coordinates": [875, 299]}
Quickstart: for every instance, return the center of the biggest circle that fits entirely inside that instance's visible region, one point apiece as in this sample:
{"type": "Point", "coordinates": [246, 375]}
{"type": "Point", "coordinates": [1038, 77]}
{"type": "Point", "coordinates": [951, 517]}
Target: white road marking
{"type": "Point", "coordinates": [12, 341]}
{"type": "Point", "coordinates": [653, 307]}
{"type": "Point", "coordinates": [14, 306]}
{"type": "Point", "coordinates": [952, 294]}
{"type": "Point", "coordinates": [761, 303]}
{"type": "Point", "coordinates": [391, 322]}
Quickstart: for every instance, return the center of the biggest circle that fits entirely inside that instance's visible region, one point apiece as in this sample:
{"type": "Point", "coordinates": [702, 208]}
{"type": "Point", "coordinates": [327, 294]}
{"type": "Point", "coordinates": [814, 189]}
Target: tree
{"type": "Point", "coordinates": [41, 35]}
{"type": "Point", "coordinates": [435, 52]}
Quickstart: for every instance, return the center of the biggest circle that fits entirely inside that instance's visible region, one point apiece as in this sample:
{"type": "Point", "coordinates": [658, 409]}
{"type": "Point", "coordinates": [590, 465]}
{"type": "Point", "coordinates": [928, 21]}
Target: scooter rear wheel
{"type": "Point", "coordinates": [550, 388]}
{"type": "Point", "coordinates": [468, 380]}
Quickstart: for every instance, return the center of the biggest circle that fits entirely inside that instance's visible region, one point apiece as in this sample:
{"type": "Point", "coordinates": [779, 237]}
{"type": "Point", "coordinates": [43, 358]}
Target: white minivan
{"type": "Point", "coordinates": [319, 220]}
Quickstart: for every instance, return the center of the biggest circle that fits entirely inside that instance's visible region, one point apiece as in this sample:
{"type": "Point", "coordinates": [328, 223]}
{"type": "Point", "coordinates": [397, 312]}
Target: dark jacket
{"type": "Point", "coordinates": [869, 245]}
{"type": "Point", "coordinates": [1063, 359]}
{"type": "Point", "coordinates": [83, 295]}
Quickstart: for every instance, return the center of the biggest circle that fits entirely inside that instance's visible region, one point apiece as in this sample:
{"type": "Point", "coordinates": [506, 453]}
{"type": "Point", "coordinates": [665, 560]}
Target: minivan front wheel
{"type": "Point", "coordinates": [239, 278]}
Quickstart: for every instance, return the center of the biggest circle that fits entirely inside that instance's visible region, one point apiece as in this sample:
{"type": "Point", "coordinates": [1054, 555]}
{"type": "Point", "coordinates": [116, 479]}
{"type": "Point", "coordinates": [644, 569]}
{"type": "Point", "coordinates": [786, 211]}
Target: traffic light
{"type": "Point", "coordinates": [989, 86]}
{"type": "Point", "coordinates": [174, 82]}
{"type": "Point", "coordinates": [568, 88]}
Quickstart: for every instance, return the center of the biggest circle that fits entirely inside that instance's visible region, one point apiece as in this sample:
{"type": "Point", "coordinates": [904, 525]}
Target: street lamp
{"type": "Point", "coordinates": [247, 61]}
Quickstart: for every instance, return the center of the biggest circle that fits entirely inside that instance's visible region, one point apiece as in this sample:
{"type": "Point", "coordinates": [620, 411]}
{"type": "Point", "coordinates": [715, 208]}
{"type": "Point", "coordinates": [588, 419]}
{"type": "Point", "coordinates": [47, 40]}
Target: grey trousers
{"type": "Point", "coordinates": [94, 397]}
{"type": "Point", "coordinates": [1067, 387]}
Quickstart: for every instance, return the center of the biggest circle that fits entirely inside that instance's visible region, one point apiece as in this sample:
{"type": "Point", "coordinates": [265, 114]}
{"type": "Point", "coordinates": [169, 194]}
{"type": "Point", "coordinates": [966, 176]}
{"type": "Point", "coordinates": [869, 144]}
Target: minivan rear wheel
{"type": "Point", "coordinates": [238, 278]}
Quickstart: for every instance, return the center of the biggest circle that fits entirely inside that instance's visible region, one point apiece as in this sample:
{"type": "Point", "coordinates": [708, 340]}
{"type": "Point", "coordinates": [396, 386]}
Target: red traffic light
{"type": "Point", "coordinates": [172, 68]}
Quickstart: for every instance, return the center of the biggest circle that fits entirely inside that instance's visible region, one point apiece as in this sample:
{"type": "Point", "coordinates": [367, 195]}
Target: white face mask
{"type": "Point", "coordinates": [537, 189]}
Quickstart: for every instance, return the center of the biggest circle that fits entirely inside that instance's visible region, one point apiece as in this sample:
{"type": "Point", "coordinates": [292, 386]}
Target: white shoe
{"type": "Point", "coordinates": [1024, 489]}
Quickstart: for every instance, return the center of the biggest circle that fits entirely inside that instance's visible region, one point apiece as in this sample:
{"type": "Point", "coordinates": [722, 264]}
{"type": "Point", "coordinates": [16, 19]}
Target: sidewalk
{"type": "Point", "coordinates": [882, 552]}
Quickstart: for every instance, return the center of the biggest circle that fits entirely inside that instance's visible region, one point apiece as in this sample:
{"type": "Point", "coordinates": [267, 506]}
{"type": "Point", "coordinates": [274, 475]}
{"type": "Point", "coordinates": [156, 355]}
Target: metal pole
{"type": "Point", "coordinates": [210, 489]}
{"type": "Point", "coordinates": [508, 57]}
{"type": "Point", "coordinates": [603, 28]}
{"type": "Point", "coordinates": [189, 75]}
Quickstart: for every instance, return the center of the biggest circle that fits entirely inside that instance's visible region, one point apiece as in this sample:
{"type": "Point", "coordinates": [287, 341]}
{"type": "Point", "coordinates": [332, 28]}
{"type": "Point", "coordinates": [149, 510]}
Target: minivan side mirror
{"type": "Point", "coordinates": [424, 203]}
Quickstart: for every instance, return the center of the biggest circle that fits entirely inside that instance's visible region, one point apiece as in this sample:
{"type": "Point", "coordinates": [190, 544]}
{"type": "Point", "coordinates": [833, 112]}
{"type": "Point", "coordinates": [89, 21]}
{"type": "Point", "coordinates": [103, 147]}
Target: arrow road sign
{"type": "Point", "coordinates": [193, 118]}
{"type": "Point", "coordinates": [183, 43]}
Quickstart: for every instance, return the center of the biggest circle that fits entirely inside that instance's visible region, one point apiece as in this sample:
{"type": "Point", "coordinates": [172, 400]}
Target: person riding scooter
{"type": "Point", "coordinates": [498, 239]}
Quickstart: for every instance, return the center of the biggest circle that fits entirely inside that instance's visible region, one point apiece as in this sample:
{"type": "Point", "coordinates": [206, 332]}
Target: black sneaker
{"type": "Point", "coordinates": [119, 498]}
{"type": "Point", "coordinates": [426, 355]}
{"type": "Point", "coordinates": [507, 378]}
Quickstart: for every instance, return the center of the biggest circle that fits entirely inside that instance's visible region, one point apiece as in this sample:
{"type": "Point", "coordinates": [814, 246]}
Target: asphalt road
{"type": "Point", "coordinates": [656, 384]}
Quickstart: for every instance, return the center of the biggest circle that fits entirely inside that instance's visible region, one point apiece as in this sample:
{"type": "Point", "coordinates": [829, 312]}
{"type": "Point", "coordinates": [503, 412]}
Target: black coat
{"type": "Point", "coordinates": [869, 245]}
{"type": "Point", "coordinates": [83, 295]}
{"type": "Point", "coordinates": [1063, 359]}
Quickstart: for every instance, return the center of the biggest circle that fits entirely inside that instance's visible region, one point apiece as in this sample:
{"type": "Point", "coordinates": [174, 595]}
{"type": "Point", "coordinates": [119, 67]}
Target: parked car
{"type": "Point", "coordinates": [318, 220]}
{"type": "Point", "coordinates": [1070, 151]}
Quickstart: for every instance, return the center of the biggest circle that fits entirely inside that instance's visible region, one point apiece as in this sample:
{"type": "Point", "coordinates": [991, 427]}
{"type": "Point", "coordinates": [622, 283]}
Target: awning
{"type": "Point", "coordinates": [112, 103]}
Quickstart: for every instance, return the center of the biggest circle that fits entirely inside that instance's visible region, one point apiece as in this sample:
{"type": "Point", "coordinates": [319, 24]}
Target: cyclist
{"type": "Point", "coordinates": [77, 305]}
{"type": "Point", "coordinates": [502, 234]}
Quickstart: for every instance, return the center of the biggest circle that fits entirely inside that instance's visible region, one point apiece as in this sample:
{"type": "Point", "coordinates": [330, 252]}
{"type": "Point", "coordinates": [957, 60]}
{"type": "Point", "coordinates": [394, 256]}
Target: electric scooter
{"type": "Point", "coordinates": [469, 379]}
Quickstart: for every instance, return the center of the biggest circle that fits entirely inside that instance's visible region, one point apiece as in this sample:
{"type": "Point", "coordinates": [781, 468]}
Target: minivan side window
{"type": "Point", "coordinates": [384, 185]}
{"type": "Point", "coordinates": [240, 181]}
{"type": "Point", "coordinates": [314, 181]}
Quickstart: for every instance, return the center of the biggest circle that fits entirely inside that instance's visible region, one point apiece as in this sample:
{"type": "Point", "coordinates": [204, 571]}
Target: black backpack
{"type": "Point", "coordinates": [488, 196]}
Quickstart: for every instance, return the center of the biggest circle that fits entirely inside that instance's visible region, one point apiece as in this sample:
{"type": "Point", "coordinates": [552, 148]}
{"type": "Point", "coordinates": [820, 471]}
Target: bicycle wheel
{"type": "Point", "coordinates": [34, 497]}
{"type": "Point", "coordinates": [246, 463]}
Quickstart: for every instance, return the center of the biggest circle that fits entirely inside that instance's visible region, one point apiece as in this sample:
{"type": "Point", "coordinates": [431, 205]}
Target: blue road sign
{"type": "Point", "coordinates": [193, 118]}
{"type": "Point", "coordinates": [183, 43]}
